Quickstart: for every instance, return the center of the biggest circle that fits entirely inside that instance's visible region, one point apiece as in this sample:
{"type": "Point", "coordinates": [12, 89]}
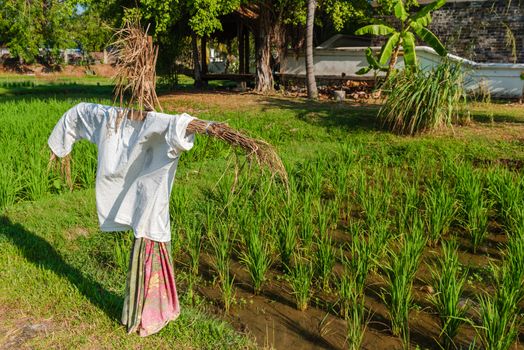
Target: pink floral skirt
{"type": "Point", "coordinates": [151, 299]}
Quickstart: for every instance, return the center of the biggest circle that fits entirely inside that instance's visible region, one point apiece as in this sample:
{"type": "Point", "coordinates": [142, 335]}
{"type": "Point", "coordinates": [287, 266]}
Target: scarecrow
{"type": "Point", "coordinates": [138, 151]}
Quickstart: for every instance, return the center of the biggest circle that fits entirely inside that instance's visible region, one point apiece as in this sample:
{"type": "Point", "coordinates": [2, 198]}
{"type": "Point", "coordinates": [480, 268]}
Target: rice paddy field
{"type": "Point", "coordinates": [376, 241]}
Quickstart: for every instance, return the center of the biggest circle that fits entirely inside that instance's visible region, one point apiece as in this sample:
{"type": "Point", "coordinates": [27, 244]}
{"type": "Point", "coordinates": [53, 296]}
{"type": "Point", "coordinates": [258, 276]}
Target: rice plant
{"type": "Point", "coordinates": [420, 101]}
{"type": "Point", "coordinates": [122, 251]}
{"type": "Point", "coordinates": [301, 277]}
{"type": "Point", "coordinates": [194, 242]}
{"type": "Point", "coordinates": [287, 230]}
{"type": "Point", "coordinates": [379, 236]}
{"type": "Point", "coordinates": [355, 317]}
{"type": "Point", "coordinates": [400, 269]}
{"type": "Point", "coordinates": [221, 244]}
{"type": "Point", "coordinates": [9, 186]}
{"type": "Point", "coordinates": [306, 222]}
{"type": "Point", "coordinates": [408, 207]}
{"type": "Point", "coordinates": [500, 327]}
{"type": "Point", "coordinates": [448, 284]}
{"type": "Point", "coordinates": [474, 205]}
{"type": "Point", "coordinates": [440, 206]}
{"type": "Point", "coordinates": [325, 259]}
{"type": "Point", "coordinates": [352, 282]}
{"type": "Point", "coordinates": [508, 193]}
{"type": "Point", "coordinates": [257, 259]}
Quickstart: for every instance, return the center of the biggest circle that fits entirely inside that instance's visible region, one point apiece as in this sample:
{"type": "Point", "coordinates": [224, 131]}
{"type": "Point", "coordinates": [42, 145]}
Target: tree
{"type": "Point", "coordinates": [404, 37]}
{"type": "Point", "coordinates": [312, 91]}
{"type": "Point", "coordinates": [29, 26]}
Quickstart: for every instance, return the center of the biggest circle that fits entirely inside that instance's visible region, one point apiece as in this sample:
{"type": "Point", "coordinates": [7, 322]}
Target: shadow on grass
{"type": "Point", "coordinates": [329, 114]}
{"type": "Point", "coordinates": [41, 253]}
{"type": "Point", "coordinates": [84, 89]}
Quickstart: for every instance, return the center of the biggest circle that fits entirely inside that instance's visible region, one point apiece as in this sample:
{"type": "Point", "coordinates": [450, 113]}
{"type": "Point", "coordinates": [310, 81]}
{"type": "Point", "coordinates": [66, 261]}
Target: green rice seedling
{"type": "Point", "coordinates": [220, 241]}
{"type": "Point", "coordinates": [421, 100]}
{"type": "Point", "coordinates": [408, 206]}
{"type": "Point", "coordinates": [122, 251]}
{"type": "Point", "coordinates": [287, 238]}
{"type": "Point", "coordinates": [353, 310]}
{"type": "Point", "coordinates": [507, 191]}
{"type": "Point", "coordinates": [500, 327]}
{"type": "Point", "coordinates": [36, 177]}
{"type": "Point", "coordinates": [448, 284]}
{"type": "Point", "coordinates": [9, 186]}
{"type": "Point", "coordinates": [257, 259]}
{"type": "Point", "coordinates": [440, 206]}
{"type": "Point", "coordinates": [400, 270]}
{"type": "Point", "coordinates": [306, 222]}
{"type": "Point", "coordinates": [379, 235]}
{"type": "Point", "coordinates": [356, 322]}
{"type": "Point", "coordinates": [325, 259]}
{"type": "Point", "coordinates": [474, 205]}
{"type": "Point", "coordinates": [356, 270]}
{"type": "Point", "coordinates": [194, 241]}
{"type": "Point", "coordinates": [301, 277]}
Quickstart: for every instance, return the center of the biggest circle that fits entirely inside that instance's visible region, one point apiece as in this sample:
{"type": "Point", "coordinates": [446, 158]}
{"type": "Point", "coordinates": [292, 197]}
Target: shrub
{"type": "Point", "coordinates": [420, 101]}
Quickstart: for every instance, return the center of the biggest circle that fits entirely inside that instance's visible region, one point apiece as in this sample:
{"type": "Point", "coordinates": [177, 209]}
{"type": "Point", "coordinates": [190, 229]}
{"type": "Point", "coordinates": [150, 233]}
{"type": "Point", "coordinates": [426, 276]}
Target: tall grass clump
{"type": "Point", "coordinates": [448, 284]}
{"type": "Point", "coordinates": [420, 101]}
{"type": "Point", "coordinates": [400, 269]}
{"type": "Point", "coordinates": [440, 206]}
{"type": "Point", "coordinates": [474, 205]}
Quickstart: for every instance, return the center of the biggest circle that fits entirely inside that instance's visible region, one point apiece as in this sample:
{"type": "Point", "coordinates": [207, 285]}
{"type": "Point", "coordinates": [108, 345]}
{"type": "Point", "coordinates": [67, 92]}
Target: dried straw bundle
{"type": "Point", "coordinates": [259, 151]}
{"type": "Point", "coordinates": [136, 62]}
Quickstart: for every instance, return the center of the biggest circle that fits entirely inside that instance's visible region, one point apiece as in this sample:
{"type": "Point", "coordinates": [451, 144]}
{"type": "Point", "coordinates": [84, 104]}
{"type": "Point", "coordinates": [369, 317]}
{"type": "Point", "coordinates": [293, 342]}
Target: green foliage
{"type": "Point", "coordinates": [404, 37]}
{"type": "Point", "coordinates": [421, 101]}
{"type": "Point", "coordinates": [28, 27]}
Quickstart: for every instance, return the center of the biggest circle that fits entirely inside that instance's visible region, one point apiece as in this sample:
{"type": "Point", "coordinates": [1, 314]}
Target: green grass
{"type": "Point", "coordinates": [346, 174]}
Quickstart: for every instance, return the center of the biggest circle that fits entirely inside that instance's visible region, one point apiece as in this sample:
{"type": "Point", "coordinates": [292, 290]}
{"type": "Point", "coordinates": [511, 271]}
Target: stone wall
{"type": "Point", "coordinates": [478, 30]}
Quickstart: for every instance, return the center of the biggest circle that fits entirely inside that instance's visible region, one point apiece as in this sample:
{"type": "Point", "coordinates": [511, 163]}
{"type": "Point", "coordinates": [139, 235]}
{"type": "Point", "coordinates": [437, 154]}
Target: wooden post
{"type": "Point", "coordinates": [246, 54]}
{"type": "Point", "coordinates": [241, 52]}
{"type": "Point", "coordinates": [203, 56]}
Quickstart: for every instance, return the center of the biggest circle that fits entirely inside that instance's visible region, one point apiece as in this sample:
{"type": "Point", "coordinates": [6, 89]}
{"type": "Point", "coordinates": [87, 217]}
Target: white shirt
{"type": "Point", "coordinates": [136, 164]}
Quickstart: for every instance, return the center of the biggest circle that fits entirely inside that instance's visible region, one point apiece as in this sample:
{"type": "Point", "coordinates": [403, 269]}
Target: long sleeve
{"type": "Point", "coordinates": [76, 124]}
{"type": "Point", "coordinates": [177, 137]}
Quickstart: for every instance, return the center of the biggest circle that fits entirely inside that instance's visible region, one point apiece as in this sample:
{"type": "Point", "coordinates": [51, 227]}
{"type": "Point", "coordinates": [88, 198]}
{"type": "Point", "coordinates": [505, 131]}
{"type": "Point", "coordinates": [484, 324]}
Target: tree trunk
{"type": "Point", "coordinates": [312, 91]}
{"type": "Point", "coordinates": [203, 58]}
{"type": "Point", "coordinates": [393, 60]}
{"type": "Point", "coordinates": [264, 76]}
{"type": "Point", "coordinates": [196, 62]}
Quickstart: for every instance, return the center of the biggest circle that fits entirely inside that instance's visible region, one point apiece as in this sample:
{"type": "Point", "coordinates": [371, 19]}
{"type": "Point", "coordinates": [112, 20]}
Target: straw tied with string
{"type": "Point", "coordinates": [136, 77]}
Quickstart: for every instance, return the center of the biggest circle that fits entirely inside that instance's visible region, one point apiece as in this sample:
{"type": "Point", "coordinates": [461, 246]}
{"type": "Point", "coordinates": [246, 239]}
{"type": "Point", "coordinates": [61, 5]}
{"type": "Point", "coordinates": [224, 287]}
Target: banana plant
{"type": "Point", "coordinates": [410, 25]}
